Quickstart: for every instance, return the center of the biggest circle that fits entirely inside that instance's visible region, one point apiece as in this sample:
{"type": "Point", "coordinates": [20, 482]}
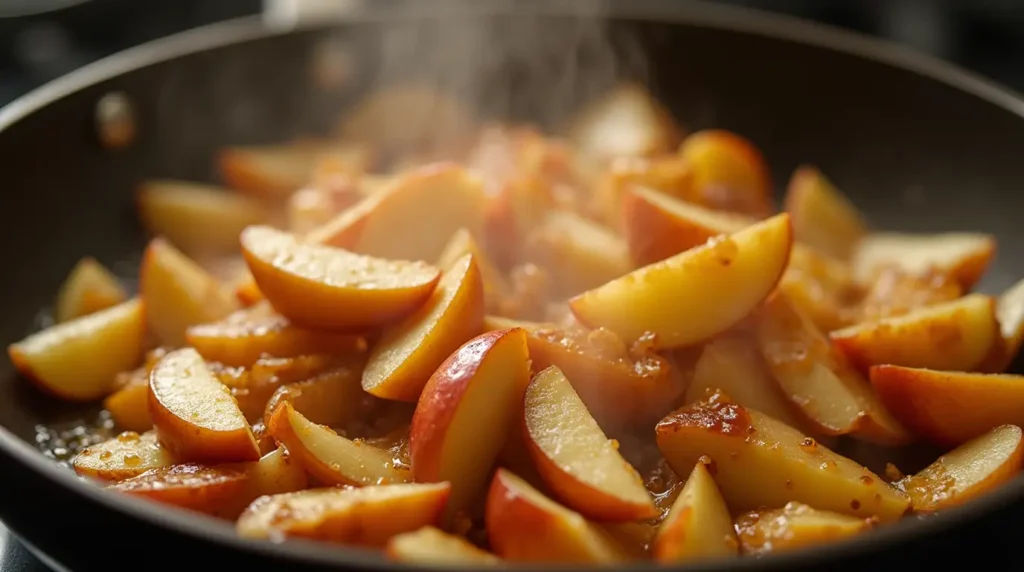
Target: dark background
{"type": "Point", "coordinates": [43, 39]}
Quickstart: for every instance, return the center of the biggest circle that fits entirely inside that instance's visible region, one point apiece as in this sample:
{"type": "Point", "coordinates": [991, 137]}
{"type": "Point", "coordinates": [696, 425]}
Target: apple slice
{"type": "Point", "coordinates": [89, 288]}
{"type": "Point", "coordinates": [178, 293]}
{"type": "Point", "coordinates": [693, 295]}
{"type": "Point", "coordinates": [195, 416]}
{"type": "Point", "coordinates": [949, 407]}
{"type": "Point", "coordinates": [730, 173]}
{"type": "Point", "coordinates": [123, 457]}
{"type": "Point", "coordinates": [795, 526]}
{"type": "Point", "coordinates": [574, 457]}
{"type": "Point", "coordinates": [822, 215]}
{"type": "Point", "coordinates": [657, 226]}
{"type": "Point", "coordinates": [622, 386]}
{"type": "Point", "coordinates": [962, 255]}
{"type": "Point", "coordinates": [368, 516]}
{"type": "Point", "coordinates": [523, 525]}
{"type": "Point", "coordinates": [314, 206]}
{"type": "Point", "coordinates": [699, 526]}
{"type": "Point", "coordinates": [894, 292]}
{"type": "Point", "coordinates": [409, 352]}
{"type": "Point", "coordinates": [1010, 313]}
{"type": "Point", "coordinates": [331, 458]}
{"type": "Point", "coordinates": [245, 336]}
{"type": "Point", "coordinates": [329, 288]}
{"type": "Point", "coordinates": [129, 405]}
{"type": "Point", "coordinates": [334, 397]}
{"type": "Point", "coordinates": [670, 175]}
{"type": "Point", "coordinates": [464, 414]}
{"type": "Point", "coordinates": [958, 335]}
{"type": "Point", "coordinates": [190, 486]}
{"type": "Point", "coordinates": [577, 253]}
{"type": "Point", "coordinates": [626, 121]}
{"type": "Point", "coordinates": [971, 470]}
{"type": "Point", "coordinates": [429, 546]}
{"type": "Point", "coordinates": [518, 208]}
{"type": "Point", "coordinates": [462, 243]}
{"type": "Point", "coordinates": [275, 473]}
{"type": "Point", "coordinates": [759, 461]}
{"type": "Point", "coordinates": [734, 365]}
{"type": "Point", "coordinates": [818, 380]}
{"type": "Point", "coordinates": [253, 386]}
{"type": "Point", "coordinates": [820, 285]}
{"type": "Point", "coordinates": [492, 322]}
{"type": "Point", "coordinates": [276, 171]}
{"type": "Point", "coordinates": [79, 359]}
{"type": "Point", "coordinates": [197, 218]}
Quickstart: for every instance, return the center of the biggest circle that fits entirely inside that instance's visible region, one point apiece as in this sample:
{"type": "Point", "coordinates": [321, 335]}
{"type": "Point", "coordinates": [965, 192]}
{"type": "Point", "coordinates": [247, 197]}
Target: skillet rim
{"type": "Point", "coordinates": [694, 14]}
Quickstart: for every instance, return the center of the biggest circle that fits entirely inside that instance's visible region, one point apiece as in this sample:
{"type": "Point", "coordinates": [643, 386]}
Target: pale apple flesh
{"type": "Point", "coordinates": [123, 457]}
{"type": "Point", "coordinates": [696, 294]}
{"type": "Point", "coordinates": [430, 546]}
{"type": "Point", "coordinates": [89, 287]}
{"type": "Point", "coordinates": [333, 397]}
{"type": "Point", "coordinates": [795, 526]}
{"type": "Point", "coordinates": [579, 254]}
{"type": "Point", "coordinates": [823, 217]}
{"type": "Point", "coordinates": [699, 526]}
{"type": "Point", "coordinates": [462, 243]}
{"type": "Point", "coordinates": [961, 255]}
{"type": "Point", "coordinates": [253, 386]}
{"type": "Point", "coordinates": [730, 173]}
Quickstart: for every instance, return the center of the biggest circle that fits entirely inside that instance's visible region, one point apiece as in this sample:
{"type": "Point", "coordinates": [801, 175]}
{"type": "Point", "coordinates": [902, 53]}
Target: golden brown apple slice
{"type": "Point", "coordinates": [759, 461]}
{"type": "Point", "coordinates": [1010, 313]}
{"type": "Point", "coordinates": [822, 286]}
{"type": "Point", "coordinates": [894, 292]}
{"type": "Point", "coordinates": [197, 218]}
{"type": "Point", "coordinates": [949, 407]}
{"type": "Point", "coordinates": [314, 206]}
{"type": "Point", "coordinates": [971, 470]}
{"type": "Point", "coordinates": [462, 243]}
{"type": "Point", "coordinates": [730, 173]}
{"type": "Point", "coordinates": [626, 121]}
{"type": "Point", "coordinates": [670, 175]}
{"type": "Point", "coordinates": [518, 208]}
{"type": "Point", "coordinates": [178, 293]}
{"type": "Point", "coordinates": [275, 473]}
{"type": "Point", "coordinates": [577, 253]}
{"type": "Point", "coordinates": [276, 171]}
{"type": "Point", "coordinates": [245, 336]}
{"type": "Point", "coordinates": [823, 217]}
{"type": "Point", "coordinates": [123, 457]}
{"type": "Point", "coordinates": [429, 546]}
{"type": "Point", "coordinates": [367, 516]}
{"type": "Point", "coordinates": [465, 412]}
{"type": "Point", "coordinates": [795, 526]}
{"type": "Point", "coordinates": [575, 458]}
{"type": "Point", "coordinates": [657, 226]}
{"type": "Point", "coordinates": [89, 288]}
{"type": "Point", "coordinates": [693, 295]}
{"type": "Point", "coordinates": [330, 457]}
{"type": "Point", "coordinates": [194, 414]}
{"type": "Point", "coordinates": [817, 379]}
{"type": "Point", "coordinates": [79, 359]}
{"type": "Point", "coordinates": [492, 322]}
{"type": "Point", "coordinates": [699, 526]}
{"type": "Point", "coordinates": [733, 364]}
{"type": "Point", "coordinates": [254, 385]}
{"type": "Point", "coordinates": [958, 335]}
{"type": "Point", "coordinates": [129, 405]}
{"type": "Point", "coordinates": [191, 486]}
{"type": "Point", "coordinates": [334, 397]}
{"type": "Point", "coordinates": [409, 352]}
{"type": "Point", "coordinates": [622, 386]}
{"type": "Point", "coordinates": [523, 525]}
{"type": "Point", "coordinates": [962, 255]}
{"type": "Point", "coordinates": [329, 288]}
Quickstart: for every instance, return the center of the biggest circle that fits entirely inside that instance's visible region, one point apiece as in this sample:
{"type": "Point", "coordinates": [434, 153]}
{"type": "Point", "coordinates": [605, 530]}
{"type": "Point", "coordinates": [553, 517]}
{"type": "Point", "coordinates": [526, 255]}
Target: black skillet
{"type": "Point", "coordinates": [919, 146]}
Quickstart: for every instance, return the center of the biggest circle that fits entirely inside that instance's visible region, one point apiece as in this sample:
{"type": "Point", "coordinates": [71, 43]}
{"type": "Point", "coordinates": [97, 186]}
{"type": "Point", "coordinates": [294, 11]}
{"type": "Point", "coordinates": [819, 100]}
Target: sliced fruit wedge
{"type": "Point", "coordinates": [698, 527]}
{"type": "Point", "coordinates": [577, 253]}
{"type": "Point", "coordinates": [823, 217]}
{"type": "Point", "coordinates": [429, 546]}
{"type": "Point", "coordinates": [89, 288]}
{"type": "Point", "coordinates": [192, 486]}
{"type": "Point", "coordinates": [962, 255]}
{"type": "Point", "coordinates": [123, 457]}
{"type": "Point", "coordinates": [730, 174]}
{"type": "Point", "coordinates": [795, 526]}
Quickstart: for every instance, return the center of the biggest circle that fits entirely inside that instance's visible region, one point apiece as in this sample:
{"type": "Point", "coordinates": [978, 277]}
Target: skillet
{"type": "Point", "coordinates": [918, 145]}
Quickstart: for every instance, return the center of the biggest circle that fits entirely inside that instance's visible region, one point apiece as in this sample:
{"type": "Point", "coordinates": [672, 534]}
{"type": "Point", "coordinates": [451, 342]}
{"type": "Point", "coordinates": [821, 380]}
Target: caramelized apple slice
{"type": "Point", "coordinates": [759, 461]}
{"type": "Point", "coordinates": [822, 215]}
{"type": "Point", "coordinates": [195, 415]}
{"type": "Point", "coordinates": [962, 255]}
{"type": "Point", "coordinates": [627, 121]}
{"type": "Point", "coordinates": [523, 525]}
{"type": "Point", "coordinates": [1010, 313]}
{"type": "Point", "coordinates": [129, 405]}
{"type": "Point", "coordinates": [323, 287]}
{"type": "Point", "coordinates": [462, 243]}
{"type": "Point", "coordinates": [334, 397]}
{"type": "Point", "coordinates": [197, 218]}
{"type": "Point", "coordinates": [817, 379]}
{"type": "Point", "coordinates": [464, 415]}
{"type": "Point", "coordinates": [89, 288]}
{"type": "Point", "coordinates": [178, 293]}
{"type": "Point", "coordinates": [79, 359]}
{"type": "Point", "coordinates": [949, 407]}
{"type": "Point", "coordinates": [369, 516]}
{"type": "Point", "coordinates": [330, 457]}
{"type": "Point", "coordinates": [795, 526]}
{"type": "Point", "coordinates": [245, 336]}
{"type": "Point", "coordinates": [693, 295]}
{"type": "Point", "coordinates": [575, 458]}
{"type": "Point", "coordinates": [123, 457]}
{"type": "Point", "coordinates": [519, 207]}
{"type": "Point", "coordinates": [699, 526]}
{"type": "Point", "coordinates": [191, 486]}
{"type": "Point", "coordinates": [314, 206]}
{"type": "Point", "coordinates": [254, 385]}
{"type": "Point", "coordinates": [671, 175]}
{"type": "Point", "coordinates": [429, 546]}
{"type": "Point", "coordinates": [409, 352]}
{"type": "Point", "coordinates": [958, 335]}
{"type": "Point", "coordinates": [577, 253]}
{"type": "Point", "coordinates": [730, 173]}
{"type": "Point", "coordinates": [276, 171]}
{"type": "Point", "coordinates": [968, 472]}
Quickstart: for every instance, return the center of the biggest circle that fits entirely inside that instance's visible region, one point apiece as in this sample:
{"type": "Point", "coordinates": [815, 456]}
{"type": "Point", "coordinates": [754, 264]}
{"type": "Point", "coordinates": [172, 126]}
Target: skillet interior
{"type": "Point", "coordinates": [915, 154]}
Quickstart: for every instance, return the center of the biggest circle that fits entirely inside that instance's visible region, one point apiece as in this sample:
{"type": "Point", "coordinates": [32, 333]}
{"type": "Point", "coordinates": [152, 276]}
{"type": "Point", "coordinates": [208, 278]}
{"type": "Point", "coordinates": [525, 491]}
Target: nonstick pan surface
{"type": "Point", "coordinates": [918, 145]}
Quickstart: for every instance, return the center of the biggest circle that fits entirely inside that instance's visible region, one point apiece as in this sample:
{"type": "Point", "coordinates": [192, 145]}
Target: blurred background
{"type": "Point", "coordinates": [42, 39]}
